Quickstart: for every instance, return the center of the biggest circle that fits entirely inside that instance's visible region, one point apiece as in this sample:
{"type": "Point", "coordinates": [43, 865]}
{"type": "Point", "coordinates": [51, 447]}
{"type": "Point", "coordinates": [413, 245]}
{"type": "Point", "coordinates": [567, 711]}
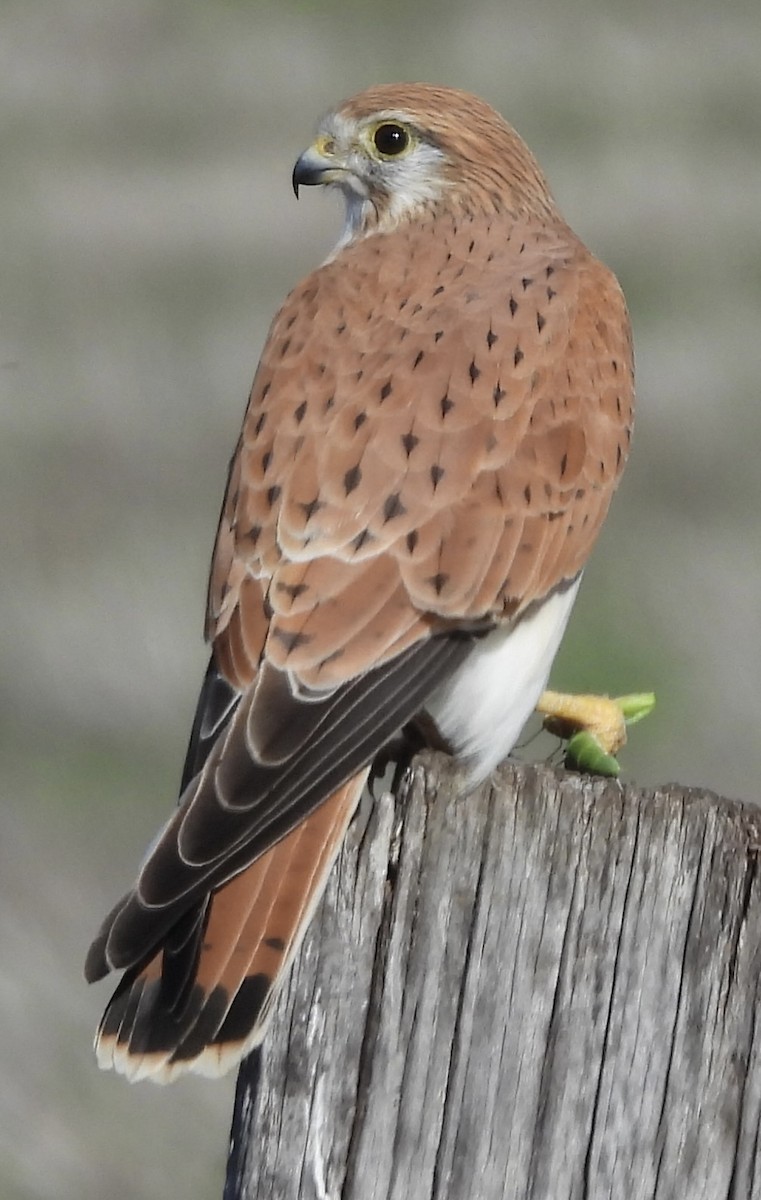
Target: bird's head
{"type": "Point", "coordinates": [397, 151]}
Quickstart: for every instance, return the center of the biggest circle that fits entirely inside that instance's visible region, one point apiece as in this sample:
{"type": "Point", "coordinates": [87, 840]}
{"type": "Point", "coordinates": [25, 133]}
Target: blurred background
{"type": "Point", "coordinates": [148, 232]}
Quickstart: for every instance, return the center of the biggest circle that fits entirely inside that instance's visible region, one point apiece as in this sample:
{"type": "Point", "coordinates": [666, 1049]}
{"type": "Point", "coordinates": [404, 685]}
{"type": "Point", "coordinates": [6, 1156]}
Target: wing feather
{"type": "Point", "coordinates": [236, 808]}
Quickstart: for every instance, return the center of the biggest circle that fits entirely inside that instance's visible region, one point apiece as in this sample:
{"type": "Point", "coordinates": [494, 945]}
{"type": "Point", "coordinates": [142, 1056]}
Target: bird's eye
{"type": "Point", "coordinates": [391, 140]}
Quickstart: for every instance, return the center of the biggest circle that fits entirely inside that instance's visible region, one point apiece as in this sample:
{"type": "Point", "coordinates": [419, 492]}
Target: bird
{"type": "Point", "coordinates": [439, 419]}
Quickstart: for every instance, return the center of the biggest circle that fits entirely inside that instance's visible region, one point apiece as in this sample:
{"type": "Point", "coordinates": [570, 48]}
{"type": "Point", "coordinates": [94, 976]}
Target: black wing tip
{"type": "Point", "coordinates": [96, 964]}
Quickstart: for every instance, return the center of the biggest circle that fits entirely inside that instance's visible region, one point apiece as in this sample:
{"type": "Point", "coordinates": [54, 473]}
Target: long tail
{"type": "Point", "coordinates": [251, 931]}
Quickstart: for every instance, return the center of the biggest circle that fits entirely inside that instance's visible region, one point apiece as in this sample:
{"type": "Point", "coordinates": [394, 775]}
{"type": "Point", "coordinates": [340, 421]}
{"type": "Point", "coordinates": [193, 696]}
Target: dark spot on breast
{"type": "Point", "coordinates": [412, 540]}
{"type": "Point", "coordinates": [614, 364]}
{"type": "Point", "coordinates": [341, 328]}
{"type": "Point", "coordinates": [540, 322]}
{"type": "Point", "coordinates": [549, 271]}
{"type": "Point", "coordinates": [290, 640]}
{"type": "Point", "coordinates": [473, 371]}
{"type": "Point", "coordinates": [619, 455]}
{"type": "Point", "coordinates": [491, 338]}
{"type": "Point", "coordinates": [260, 424]}
{"type": "Point", "coordinates": [551, 293]}
{"type": "Point", "coordinates": [526, 282]}
{"type": "Point", "coordinates": [359, 420]}
{"type": "Point", "coordinates": [563, 465]}
{"type": "Point", "coordinates": [393, 508]}
{"type": "Point", "coordinates": [274, 943]}
{"type": "Point", "coordinates": [527, 493]}
{"type": "Point", "coordinates": [361, 540]}
{"type": "Point", "coordinates": [311, 507]}
{"type": "Point", "coordinates": [352, 479]}
{"type": "Point", "coordinates": [553, 516]}
{"type": "Point", "coordinates": [438, 290]}
{"type": "Point", "coordinates": [518, 356]}
{"type": "Point", "coordinates": [403, 304]}
{"type": "Point", "coordinates": [266, 389]}
{"type": "Point", "coordinates": [293, 590]}
{"type": "Point", "coordinates": [513, 306]}
{"type": "Point", "coordinates": [409, 441]}
{"type": "Point", "coordinates": [273, 494]}
{"type": "Point", "coordinates": [580, 493]}
{"type": "Point", "coordinates": [285, 347]}
{"type": "Point", "coordinates": [266, 460]}
{"type": "Point", "coordinates": [438, 335]}
{"type": "Point", "coordinates": [471, 246]}
{"type": "Point", "coordinates": [418, 308]}
{"type": "Point", "coordinates": [438, 582]}
{"type": "Point", "coordinates": [446, 405]}
{"type": "Point", "coordinates": [359, 374]}
{"type": "Point", "coordinates": [499, 395]}
{"type": "Point", "coordinates": [418, 359]}
{"type": "Point", "coordinates": [300, 412]}
{"type": "Point", "coordinates": [437, 474]}
{"type": "Point", "coordinates": [253, 534]}
{"type": "Point", "coordinates": [386, 390]}
{"type": "Point", "coordinates": [329, 403]}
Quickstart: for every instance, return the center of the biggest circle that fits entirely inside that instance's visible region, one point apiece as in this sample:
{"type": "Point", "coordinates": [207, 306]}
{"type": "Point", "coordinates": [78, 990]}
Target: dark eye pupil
{"type": "Point", "coordinates": [391, 139]}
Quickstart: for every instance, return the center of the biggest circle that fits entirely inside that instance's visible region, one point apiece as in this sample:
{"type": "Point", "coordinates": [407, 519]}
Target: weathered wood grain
{"type": "Point", "coordinates": [546, 991]}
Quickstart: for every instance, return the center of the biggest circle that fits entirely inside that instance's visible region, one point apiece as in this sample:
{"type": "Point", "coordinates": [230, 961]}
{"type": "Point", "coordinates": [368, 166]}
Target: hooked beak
{"type": "Point", "coordinates": [314, 168]}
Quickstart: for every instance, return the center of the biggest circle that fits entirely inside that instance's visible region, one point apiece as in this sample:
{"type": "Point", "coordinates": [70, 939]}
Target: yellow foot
{"type": "Point", "coordinates": [594, 726]}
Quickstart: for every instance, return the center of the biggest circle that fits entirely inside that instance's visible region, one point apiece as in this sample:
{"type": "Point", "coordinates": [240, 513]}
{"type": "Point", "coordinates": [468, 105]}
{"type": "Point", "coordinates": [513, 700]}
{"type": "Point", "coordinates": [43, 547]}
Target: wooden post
{"type": "Point", "coordinates": [547, 991]}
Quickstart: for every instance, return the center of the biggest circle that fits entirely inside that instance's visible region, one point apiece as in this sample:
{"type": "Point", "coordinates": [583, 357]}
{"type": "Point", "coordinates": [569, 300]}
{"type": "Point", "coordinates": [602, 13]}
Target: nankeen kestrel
{"type": "Point", "coordinates": [440, 416]}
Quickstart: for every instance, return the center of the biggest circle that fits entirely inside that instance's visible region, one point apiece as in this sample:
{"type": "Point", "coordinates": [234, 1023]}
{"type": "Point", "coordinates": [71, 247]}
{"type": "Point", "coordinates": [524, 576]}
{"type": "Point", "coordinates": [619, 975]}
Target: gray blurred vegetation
{"type": "Point", "coordinates": [148, 233]}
